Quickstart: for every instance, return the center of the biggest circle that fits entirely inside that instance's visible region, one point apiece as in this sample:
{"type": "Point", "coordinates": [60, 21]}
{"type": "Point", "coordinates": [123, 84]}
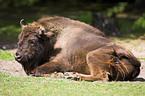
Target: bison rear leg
{"type": "Point", "coordinates": [102, 77]}
{"type": "Point", "coordinates": [99, 69]}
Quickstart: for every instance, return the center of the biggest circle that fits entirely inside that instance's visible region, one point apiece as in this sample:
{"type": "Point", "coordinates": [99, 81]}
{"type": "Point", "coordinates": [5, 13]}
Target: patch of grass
{"type": "Point", "coordinates": [34, 86]}
{"type": "Point", "coordinates": [141, 58]}
{"type": "Point", "coordinates": [117, 39]}
{"type": "Point", "coordinates": [6, 55]}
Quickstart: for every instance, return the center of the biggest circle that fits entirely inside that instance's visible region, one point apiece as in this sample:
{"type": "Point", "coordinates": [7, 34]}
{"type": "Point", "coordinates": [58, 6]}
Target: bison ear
{"type": "Point", "coordinates": [41, 32]}
{"type": "Point", "coordinates": [50, 34]}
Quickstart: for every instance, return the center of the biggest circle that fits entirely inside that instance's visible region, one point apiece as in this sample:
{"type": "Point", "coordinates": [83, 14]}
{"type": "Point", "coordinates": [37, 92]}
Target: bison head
{"type": "Point", "coordinates": [34, 46]}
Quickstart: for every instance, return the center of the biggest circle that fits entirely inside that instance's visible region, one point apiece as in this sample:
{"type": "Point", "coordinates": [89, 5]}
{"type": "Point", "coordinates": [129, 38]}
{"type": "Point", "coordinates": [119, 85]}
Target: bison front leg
{"type": "Point", "coordinates": [49, 69]}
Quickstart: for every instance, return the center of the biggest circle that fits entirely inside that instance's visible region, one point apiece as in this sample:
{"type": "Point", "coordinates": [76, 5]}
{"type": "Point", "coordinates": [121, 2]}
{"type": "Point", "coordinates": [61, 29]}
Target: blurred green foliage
{"type": "Point", "coordinates": [139, 24]}
{"type": "Point", "coordinates": [116, 9]}
{"type": "Point", "coordinates": [10, 17]}
{"type": "Point", "coordinates": [10, 30]}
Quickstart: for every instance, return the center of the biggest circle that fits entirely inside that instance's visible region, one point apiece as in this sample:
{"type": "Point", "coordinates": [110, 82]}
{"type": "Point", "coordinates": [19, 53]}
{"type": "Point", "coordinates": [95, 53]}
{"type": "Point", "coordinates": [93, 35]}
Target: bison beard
{"type": "Point", "coordinates": [73, 49]}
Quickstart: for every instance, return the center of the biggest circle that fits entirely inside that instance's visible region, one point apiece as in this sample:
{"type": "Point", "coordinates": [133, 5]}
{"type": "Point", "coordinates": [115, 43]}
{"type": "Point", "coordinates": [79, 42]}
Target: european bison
{"type": "Point", "coordinates": [58, 44]}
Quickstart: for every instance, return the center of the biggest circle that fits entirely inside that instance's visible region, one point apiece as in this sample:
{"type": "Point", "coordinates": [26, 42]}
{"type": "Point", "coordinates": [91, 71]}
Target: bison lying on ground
{"type": "Point", "coordinates": [58, 44]}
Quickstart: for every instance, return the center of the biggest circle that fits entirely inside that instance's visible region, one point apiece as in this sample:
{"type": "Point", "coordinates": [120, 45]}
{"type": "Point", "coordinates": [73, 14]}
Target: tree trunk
{"type": "Point", "coordinates": [108, 26]}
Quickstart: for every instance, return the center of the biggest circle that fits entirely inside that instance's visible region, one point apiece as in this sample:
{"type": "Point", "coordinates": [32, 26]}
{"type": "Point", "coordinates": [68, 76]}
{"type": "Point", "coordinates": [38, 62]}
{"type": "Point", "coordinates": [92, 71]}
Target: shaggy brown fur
{"type": "Point", "coordinates": [76, 47]}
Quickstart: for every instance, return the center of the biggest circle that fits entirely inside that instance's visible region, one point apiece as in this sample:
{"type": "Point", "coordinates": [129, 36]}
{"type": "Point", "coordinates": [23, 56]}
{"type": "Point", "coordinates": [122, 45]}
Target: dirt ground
{"type": "Point", "coordinates": [16, 69]}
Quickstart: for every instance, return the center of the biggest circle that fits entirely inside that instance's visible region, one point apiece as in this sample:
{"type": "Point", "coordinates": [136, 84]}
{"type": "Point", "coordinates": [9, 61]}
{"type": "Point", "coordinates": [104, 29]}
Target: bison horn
{"type": "Point", "coordinates": [21, 23]}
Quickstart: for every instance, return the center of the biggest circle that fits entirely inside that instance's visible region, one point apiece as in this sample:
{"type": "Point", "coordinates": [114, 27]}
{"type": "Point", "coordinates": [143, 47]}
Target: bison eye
{"type": "Point", "coordinates": [32, 42]}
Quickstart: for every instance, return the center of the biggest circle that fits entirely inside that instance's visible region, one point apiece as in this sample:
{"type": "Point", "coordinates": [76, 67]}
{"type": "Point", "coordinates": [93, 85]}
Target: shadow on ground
{"type": "Point", "coordinates": [139, 79]}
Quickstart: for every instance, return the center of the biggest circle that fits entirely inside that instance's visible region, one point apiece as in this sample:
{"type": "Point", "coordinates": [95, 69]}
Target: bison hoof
{"type": "Point", "coordinates": [72, 75]}
{"type": "Point", "coordinates": [38, 72]}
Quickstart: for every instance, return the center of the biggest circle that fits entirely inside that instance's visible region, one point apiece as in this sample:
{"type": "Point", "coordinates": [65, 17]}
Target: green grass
{"type": "Point", "coordinates": [141, 58]}
{"type": "Point", "coordinates": [34, 86]}
{"type": "Point", "coordinates": [6, 55]}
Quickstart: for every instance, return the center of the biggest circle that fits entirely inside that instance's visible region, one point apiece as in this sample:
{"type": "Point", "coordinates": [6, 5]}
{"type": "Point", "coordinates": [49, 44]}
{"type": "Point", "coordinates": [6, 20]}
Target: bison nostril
{"type": "Point", "coordinates": [18, 57]}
